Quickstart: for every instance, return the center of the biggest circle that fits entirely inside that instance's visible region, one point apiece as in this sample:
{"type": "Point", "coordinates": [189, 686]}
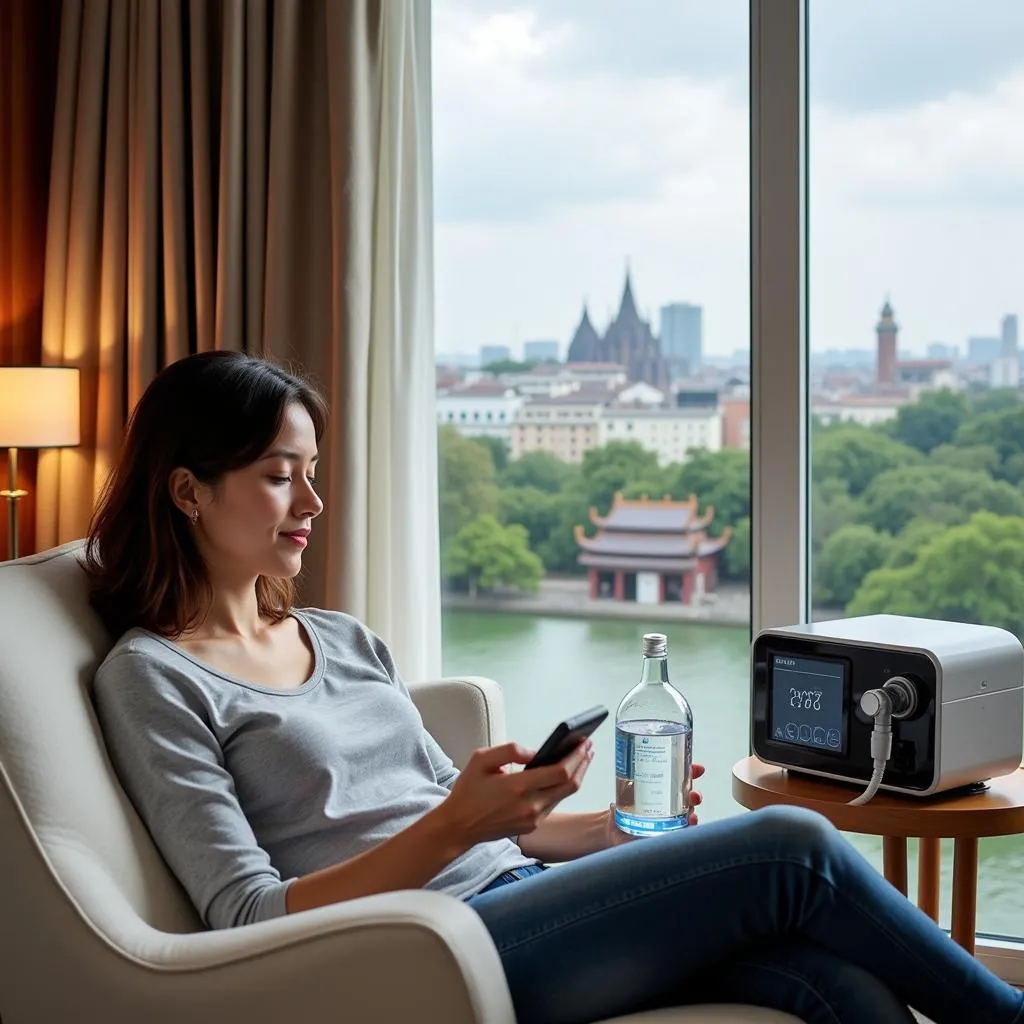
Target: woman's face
{"type": "Point", "coordinates": [256, 520]}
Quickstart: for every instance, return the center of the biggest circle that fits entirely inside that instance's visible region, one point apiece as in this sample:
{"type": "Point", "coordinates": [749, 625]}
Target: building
{"type": "Point", "coordinates": [552, 380]}
{"type": "Point", "coordinates": [682, 338]}
{"type": "Point", "coordinates": [628, 341]}
{"type": "Point", "coordinates": [540, 351]}
{"type": "Point", "coordinates": [983, 351]}
{"type": "Point", "coordinates": [866, 410]}
{"type": "Point", "coordinates": [1005, 371]}
{"type": "Point", "coordinates": [886, 356]}
{"type": "Point", "coordinates": [736, 422]}
{"type": "Point", "coordinates": [565, 426]}
{"type": "Point", "coordinates": [918, 375]}
{"type": "Point", "coordinates": [668, 432]}
{"type": "Point", "coordinates": [494, 354]}
{"type": "Point", "coordinates": [484, 409]}
{"type": "Point", "coordinates": [651, 552]}
{"type": "Point", "coordinates": [940, 350]}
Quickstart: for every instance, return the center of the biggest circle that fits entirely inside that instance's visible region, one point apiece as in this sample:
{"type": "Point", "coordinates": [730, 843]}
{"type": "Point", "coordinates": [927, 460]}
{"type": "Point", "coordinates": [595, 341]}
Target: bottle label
{"type": "Point", "coordinates": [652, 826]}
{"type": "Point", "coordinates": [623, 754]}
{"type": "Point", "coordinates": [652, 776]}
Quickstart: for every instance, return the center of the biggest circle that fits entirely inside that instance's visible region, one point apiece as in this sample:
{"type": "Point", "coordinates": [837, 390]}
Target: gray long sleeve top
{"type": "Point", "coordinates": [245, 788]}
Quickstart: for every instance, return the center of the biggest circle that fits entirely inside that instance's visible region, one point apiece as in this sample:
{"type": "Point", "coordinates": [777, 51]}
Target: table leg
{"type": "Point", "coordinates": [928, 877]}
{"type": "Point", "coordinates": [965, 891]}
{"type": "Point", "coordinates": [894, 861]}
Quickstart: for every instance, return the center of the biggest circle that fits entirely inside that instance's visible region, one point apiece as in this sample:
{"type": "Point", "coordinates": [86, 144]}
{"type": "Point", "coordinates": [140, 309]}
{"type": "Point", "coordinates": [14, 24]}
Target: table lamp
{"type": "Point", "coordinates": [39, 408]}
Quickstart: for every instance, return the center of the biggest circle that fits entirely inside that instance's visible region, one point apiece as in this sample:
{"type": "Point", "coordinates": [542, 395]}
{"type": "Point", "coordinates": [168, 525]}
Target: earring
{"type": "Point", "coordinates": [195, 516]}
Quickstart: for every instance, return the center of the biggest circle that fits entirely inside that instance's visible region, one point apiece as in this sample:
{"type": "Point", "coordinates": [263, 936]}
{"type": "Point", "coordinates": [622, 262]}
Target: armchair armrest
{"type": "Point", "coordinates": [462, 714]}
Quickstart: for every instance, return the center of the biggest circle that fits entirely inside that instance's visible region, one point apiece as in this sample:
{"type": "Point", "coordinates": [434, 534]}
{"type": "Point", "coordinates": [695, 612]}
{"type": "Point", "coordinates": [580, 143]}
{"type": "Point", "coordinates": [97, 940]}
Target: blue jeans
{"type": "Point", "coordinates": [773, 908]}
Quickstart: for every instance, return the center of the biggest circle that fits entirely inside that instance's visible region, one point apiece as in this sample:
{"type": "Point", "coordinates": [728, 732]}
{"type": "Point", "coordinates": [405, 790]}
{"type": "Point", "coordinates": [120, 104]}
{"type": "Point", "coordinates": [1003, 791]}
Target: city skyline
{"type": "Point", "coordinates": [571, 139]}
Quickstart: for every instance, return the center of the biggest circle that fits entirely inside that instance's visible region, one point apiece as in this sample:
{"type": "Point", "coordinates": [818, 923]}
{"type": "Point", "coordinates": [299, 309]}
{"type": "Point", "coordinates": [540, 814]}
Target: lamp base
{"type": "Point", "coordinates": [13, 494]}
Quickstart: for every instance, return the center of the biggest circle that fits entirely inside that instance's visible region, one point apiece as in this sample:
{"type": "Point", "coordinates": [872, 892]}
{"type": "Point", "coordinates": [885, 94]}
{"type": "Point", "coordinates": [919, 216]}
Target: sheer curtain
{"type": "Point", "coordinates": [257, 175]}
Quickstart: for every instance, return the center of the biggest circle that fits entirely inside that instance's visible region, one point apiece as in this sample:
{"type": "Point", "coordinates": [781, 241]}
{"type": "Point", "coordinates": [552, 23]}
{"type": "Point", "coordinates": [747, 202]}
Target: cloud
{"type": "Point", "coordinates": [512, 142]}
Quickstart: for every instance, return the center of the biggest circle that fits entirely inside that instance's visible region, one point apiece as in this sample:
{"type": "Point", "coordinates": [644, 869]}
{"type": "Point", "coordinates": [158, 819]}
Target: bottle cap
{"type": "Point", "coordinates": [655, 645]}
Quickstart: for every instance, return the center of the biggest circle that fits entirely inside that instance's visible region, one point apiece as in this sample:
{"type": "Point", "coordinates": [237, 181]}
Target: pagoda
{"type": "Point", "coordinates": [651, 551]}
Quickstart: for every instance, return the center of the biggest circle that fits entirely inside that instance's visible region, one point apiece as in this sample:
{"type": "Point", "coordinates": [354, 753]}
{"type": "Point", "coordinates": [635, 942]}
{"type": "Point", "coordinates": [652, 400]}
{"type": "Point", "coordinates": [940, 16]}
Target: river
{"type": "Point", "coordinates": [552, 667]}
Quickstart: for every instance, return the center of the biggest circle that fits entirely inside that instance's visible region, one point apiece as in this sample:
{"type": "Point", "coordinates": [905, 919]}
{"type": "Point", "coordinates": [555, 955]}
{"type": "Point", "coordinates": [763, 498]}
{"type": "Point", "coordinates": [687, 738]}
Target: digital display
{"type": "Point", "coordinates": [807, 702]}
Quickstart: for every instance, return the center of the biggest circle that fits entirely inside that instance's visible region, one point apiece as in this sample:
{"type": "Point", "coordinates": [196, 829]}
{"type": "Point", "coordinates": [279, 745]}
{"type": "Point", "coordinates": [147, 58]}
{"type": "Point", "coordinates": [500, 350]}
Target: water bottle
{"type": "Point", "coordinates": [653, 749]}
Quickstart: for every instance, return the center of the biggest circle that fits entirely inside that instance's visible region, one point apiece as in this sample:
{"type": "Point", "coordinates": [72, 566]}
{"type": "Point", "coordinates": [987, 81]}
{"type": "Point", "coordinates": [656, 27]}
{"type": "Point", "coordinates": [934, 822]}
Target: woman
{"type": "Point", "coordinates": [278, 762]}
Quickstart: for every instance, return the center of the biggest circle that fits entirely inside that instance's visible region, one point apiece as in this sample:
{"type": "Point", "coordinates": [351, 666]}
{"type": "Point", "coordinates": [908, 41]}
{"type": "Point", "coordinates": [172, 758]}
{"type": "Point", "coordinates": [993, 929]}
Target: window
{"type": "Point", "coordinates": [914, 184]}
{"type": "Point", "coordinates": [535, 210]}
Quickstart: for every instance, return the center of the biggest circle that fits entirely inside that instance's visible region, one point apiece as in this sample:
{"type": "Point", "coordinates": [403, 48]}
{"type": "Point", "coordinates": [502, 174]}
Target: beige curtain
{"type": "Point", "coordinates": [255, 175]}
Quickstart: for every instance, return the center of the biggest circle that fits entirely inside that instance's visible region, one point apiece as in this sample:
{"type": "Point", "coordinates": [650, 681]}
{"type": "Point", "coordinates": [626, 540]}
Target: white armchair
{"type": "Point", "coordinates": [94, 926]}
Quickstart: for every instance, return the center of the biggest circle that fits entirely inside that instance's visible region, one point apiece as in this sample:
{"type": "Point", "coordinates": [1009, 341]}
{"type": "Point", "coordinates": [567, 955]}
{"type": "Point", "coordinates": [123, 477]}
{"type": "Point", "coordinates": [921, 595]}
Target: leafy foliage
{"type": "Point", "coordinates": [485, 554]}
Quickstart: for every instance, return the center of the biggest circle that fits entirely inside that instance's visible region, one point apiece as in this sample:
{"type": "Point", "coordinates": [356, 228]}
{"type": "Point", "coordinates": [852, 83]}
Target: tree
{"type": "Point", "coordinates": [536, 510]}
{"type": "Point", "coordinates": [994, 400]}
{"type": "Point", "coordinates": [736, 556]}
{"type": "Point", "coordinates": [486, 554]}
{"type": "Point", "coordinates": [720, 479]}
{"type": "Point", "coordinates": [973, 572]}
{"type": "Point", "coordinates": [560, 552]}
{"type": "Point", "coordinates": [941, 493]}
{"type": "Point", "coordinates": [845, 559]}
{"type": "Point", "coordinates": [831, 508]}
{"type": "Point", "coordinates": [498, 447]}
{"type": "Point", "coordinates": [856, 455]}
{"type": "Point", "coordinates": [932, 420]}
{"type": "Point", "coordinates": [613, 468]}
{"type": "Point", "coordinates": [508, 366]}
{"type": "Point", "coordinates": [542, 470]}
{"type": "Point", "coordinates": [904, 549]}
{"type": "Point", "coordinates": [465, 477]}
{"type": "Point", "coordinates": [1004, 431]}
{"type": "Point", "coordinates": [975, 456]}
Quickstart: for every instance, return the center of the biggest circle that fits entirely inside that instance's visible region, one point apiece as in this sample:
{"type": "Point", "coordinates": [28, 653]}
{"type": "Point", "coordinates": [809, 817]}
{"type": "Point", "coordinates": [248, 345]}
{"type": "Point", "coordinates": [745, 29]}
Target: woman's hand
{"type": "Point", "coordinates": [615, 836]}
{"type": "Point", "coordinates": [489, 802]}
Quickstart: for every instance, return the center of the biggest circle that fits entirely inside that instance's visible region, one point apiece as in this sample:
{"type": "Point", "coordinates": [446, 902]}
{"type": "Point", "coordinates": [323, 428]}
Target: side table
{"type": "Point", "coordinates": [964, 818]}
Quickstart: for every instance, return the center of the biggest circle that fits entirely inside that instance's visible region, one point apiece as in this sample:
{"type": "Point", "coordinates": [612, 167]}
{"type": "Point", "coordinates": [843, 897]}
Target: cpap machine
{"type": "Point", "coordinates": [926, 705]}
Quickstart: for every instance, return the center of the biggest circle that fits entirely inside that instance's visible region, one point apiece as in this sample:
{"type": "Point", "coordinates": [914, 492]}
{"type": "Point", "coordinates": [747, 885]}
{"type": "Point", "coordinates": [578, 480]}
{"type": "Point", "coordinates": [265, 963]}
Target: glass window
{"type": "Point", "coordinates": [535, 210]}
{"type": "Point", "coordinates": [917, 425]}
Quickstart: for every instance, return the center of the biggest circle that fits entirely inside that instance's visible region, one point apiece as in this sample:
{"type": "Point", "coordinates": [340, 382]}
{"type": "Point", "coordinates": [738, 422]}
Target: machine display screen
{"type": "Point", "coordinates": [806, 696]}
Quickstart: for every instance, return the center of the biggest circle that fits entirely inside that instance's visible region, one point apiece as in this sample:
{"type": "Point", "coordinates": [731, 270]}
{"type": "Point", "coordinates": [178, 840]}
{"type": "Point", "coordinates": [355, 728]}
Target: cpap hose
{"type": "Point", "coordinates": [896, 699]}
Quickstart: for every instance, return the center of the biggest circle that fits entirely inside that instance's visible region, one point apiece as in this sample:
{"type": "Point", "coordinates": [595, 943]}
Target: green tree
{"type": "Point", "coordinates": [612, 468]}
{"type": "Point", "coordinates": [534, 509]}
{"type": "Point", "coordinates": [542, 470]}
{"type": "Point", "coordinates": [973, 572]}
{"type": "Point", "coordinates": [498, 447]}
{"type": "Point", "coordinates": [508, 366]}
{"type": "Point", "coordinates": [845, 559]}
{"type": "Point", "coordinates": [856, 455]}
{"type": "Point", "coordinates": [831, 508]}
{"type": "Point", "coordinates": [720, 479]}
{"type": "Point", "coordinates": [932, 420]}
{"type": "Point", "coordinates": [976, 456]}
{"type": "Point", "coordinates": [994, 400]}
{"type": "Point", "coordinates": [736, 556]}
{"type": "Point", "coordinates": [465, 477]}
{"type": "Point", "coordinates": [485, 554]}
{"type": "Point", "coordinates": [904, 549]}
{"type": "Point", "coordinates": [560, 551]}
{"type": "Point", "coordinates": [941, 493]}
{"type": "Point", "coordinates": [1003, 430]}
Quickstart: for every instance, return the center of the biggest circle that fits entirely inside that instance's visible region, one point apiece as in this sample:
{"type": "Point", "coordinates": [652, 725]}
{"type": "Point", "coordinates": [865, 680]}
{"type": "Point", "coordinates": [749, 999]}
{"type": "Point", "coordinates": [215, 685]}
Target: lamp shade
{"type": "Point", "coordinates": [39, 406]}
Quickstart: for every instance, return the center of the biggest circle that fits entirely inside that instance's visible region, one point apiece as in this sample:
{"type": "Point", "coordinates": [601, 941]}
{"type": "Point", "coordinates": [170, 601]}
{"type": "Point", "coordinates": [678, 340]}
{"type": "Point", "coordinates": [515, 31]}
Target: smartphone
{"type": "Point", "coordinates": [567, 735]}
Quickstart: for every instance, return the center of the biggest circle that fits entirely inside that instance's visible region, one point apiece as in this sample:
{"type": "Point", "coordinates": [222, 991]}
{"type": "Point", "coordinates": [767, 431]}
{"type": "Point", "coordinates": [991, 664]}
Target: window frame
{"type": "Point", "coordinates": [779, 424]}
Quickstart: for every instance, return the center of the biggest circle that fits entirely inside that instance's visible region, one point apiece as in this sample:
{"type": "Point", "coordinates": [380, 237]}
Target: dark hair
{"type": "Point", "coordinates": [212, 413]}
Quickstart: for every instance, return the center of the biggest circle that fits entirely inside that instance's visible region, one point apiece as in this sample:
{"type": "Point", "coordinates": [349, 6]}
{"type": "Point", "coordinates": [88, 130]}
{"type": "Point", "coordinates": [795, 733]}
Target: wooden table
{"type": "Point", "coordinates": [996, 811]}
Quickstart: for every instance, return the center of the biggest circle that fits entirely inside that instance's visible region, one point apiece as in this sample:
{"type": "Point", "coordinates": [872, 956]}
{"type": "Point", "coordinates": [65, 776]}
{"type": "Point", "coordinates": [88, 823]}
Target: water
{"type": "Point", "coordinates": [652, 776]}
{"type": "Point", "coordinates": [549, 668]}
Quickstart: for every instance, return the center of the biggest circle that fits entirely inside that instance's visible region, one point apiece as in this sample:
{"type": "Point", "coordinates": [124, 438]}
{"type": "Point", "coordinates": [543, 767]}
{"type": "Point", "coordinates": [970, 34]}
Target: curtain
{"type": "Point", "coordinates": [256, 175]}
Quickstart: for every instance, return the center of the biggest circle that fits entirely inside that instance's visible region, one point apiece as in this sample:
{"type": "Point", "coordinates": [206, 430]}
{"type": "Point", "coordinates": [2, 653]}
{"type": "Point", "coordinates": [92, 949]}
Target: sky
{"type": "Point", "coordinates": [576, 138]}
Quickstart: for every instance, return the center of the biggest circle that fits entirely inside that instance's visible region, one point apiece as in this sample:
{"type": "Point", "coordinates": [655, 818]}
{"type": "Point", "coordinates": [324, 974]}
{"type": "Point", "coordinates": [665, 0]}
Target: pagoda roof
{"type": "Point", "coordinates": [634, 546]}
{"type": "Point", "coordinates": [646, 516]}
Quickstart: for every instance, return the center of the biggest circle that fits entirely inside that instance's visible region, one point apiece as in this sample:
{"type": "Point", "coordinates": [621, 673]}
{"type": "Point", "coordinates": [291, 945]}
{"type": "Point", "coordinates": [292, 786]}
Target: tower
{"type": "Point", "coordinates": [885, 365]}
